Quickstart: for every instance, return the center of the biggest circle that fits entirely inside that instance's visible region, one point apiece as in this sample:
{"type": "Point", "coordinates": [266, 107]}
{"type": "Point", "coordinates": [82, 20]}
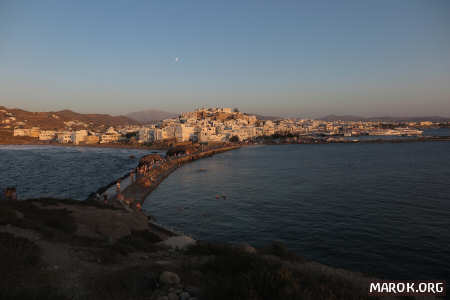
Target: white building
{"type": "Point", "coordinates": [64, 137]}
{"type": "Point", "coordinates": [33, 132]}
{"type": "Point", "coordinates": [111, 130]}
{"type": "Point", "coordinates": [79, 136]}
{"type": "Point", "coordinates": [109, 138]}
{"type": "Point", "coordinates": [205, 137]}
{"type": "Point", "coordinates": [268, 128]}
{"type": "Point", "coordinates": [47, 135]}
{"type": "Point", "coordinates": [184, 133]}
{"type": "Point", "coordinates": [158, 134]}
{"type": "Point", "coordinates": [21, 132]}
{"type": "Point", "coordinates": [225, 110]}
{"type": "Point", "coordinates": [168, 132]}
{"type": "Point", "coordinates": [145, 135]}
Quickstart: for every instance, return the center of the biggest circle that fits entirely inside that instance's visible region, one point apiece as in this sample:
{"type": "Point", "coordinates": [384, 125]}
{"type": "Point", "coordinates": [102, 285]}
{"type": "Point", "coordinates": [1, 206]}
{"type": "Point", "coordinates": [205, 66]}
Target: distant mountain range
{"type": "Point", "coordinates": [150, 115]}
{"type": "Point", "coordinates": [385, 118]}
{"type": "Point", "coordinates": [55, 120]}
{"type": "Point", "coordinates": [266, 118]}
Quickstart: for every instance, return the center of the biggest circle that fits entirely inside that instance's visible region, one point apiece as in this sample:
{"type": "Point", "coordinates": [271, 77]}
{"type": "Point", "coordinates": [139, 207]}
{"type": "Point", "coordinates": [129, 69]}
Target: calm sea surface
{"type": "Point", "coordinates": [382, 209]}
{"type": "Point", "coordinates": [62, 172]}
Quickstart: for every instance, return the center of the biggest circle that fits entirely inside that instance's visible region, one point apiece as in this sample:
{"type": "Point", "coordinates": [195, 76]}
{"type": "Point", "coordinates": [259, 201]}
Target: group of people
{"type": "Point", "coordinates": [147, 169]}
{"type": "Point", "coordinates": [9, 193]}
{"type": "Point", "coordinates": [121, 197]}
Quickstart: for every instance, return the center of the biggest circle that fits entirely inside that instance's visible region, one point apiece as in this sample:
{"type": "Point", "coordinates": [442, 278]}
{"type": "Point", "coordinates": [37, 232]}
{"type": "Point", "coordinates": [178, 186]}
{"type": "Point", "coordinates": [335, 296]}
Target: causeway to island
{"type": "Point", "coordinates": [130, 191]}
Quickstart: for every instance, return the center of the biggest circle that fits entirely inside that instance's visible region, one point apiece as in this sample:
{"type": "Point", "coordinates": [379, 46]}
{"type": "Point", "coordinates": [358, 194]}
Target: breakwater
{"type": "Point", "coordinates": [349, 140]}
{"type": "Point", "coordinates": [150, 172]}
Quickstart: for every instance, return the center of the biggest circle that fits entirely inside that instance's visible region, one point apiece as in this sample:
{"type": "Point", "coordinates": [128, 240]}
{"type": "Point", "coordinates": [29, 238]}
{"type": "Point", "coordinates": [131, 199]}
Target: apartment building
{"type": "Point", "coordinates": [64, 137]}
{"type": "Point", "coordinates": [47, 135]}
{"type": "Point", "coordinates": [79, 136]}
{"type": "Point", "coordinates": [184, 133]}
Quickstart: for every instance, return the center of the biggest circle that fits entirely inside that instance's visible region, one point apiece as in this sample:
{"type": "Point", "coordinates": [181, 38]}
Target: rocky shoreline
{"type": "Point", "coordinates": [140, 184]}
{"type": "Point", "coordinates": [67, 249]}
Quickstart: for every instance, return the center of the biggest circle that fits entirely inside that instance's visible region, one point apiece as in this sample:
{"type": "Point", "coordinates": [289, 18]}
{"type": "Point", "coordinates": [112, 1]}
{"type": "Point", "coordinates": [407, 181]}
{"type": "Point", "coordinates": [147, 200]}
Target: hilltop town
{"type": "Point", "coordinates": [204, 125]}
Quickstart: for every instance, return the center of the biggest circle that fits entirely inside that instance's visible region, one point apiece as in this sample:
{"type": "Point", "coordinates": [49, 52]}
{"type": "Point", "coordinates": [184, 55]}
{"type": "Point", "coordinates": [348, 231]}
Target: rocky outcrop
{"type": "Point", "coordinates": [73, 250]}
{"type": "Point", "coordinates": [179, 242]}
{"type": "Point", "coordinates": [107, 224]}
{"type": "Point", "coordinates": [169, 278]}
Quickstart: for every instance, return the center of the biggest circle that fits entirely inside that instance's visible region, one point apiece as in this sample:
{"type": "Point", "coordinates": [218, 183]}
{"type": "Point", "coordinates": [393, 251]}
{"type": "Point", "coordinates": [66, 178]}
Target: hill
{"type": "Point", "coordinates": [60, 119]}
{"type": "Point", "coordinates": [331, 118]}
{"type": "Point", "coordinates": [150, 115]}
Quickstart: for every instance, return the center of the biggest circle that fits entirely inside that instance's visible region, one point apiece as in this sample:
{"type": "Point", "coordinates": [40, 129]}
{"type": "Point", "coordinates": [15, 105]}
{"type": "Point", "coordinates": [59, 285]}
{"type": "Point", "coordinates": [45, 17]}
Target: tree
{"type": "Point", "coordinates": [236, 110]}
{"type": "Point", "coordinates": [276, 135]}
{"type": "Point", "coordinates": [129, 135]}
{"type": "Point", "coordinates": [234, 139]}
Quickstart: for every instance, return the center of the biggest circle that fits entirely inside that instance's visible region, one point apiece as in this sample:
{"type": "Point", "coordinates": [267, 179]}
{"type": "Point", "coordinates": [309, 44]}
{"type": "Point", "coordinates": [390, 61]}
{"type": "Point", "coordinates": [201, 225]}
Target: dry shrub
{"type": "Point", "coordinates": [137, 241]}
{"type": "Point", "coordinates": [21, 275]}
{"type": "Point", "coordinates": [234, 274]}
{"type": "Point", "coordinates": [280, 250]}
{"type": "Point", "coordinates": [52, 223]}
{"type": "Point", "coordinates": [131, 283]}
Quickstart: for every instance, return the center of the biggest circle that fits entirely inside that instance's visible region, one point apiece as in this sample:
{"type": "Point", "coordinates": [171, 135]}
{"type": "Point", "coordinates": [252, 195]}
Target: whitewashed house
{"type": "Point", "coordinates": [79, 136]}
{"type": "Point", "coordinates": [64, 137]}
{"type": "Point", "coordinates": [184, 133]}
{"type": "Point", "coordinates": [109, 138]}
{"type": "Point", "coordinates": [47, 135]}
{"type": "Point", "coordinates": [145, 135]}
{"type": "Point", "coordinates": [21, 132]}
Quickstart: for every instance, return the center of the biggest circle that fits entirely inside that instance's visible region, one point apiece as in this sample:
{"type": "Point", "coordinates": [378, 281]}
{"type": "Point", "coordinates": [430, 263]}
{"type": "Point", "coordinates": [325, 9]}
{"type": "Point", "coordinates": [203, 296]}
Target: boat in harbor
{"type": "Point", "coordinates": [400, 131]}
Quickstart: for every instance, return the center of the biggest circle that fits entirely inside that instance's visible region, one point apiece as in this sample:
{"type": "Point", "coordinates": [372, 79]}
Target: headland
{"type": "Point", "coordinates": [63, 249]}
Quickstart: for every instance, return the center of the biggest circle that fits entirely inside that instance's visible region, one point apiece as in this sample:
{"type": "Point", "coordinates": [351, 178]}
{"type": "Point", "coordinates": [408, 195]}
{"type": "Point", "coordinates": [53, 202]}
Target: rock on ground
{"type": "Point", "coordinates": [172, 296]}
{"type": "Point", "coordinates": [179, 242]}
{"type": "Point", "coordinates": [169, 278]}
{"type": "Point", "coordinates": [244, 247]}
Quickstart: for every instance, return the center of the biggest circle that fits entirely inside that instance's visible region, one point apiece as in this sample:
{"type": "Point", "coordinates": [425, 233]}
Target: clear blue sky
{"type": "Point", "coordinates": [289, 58]}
